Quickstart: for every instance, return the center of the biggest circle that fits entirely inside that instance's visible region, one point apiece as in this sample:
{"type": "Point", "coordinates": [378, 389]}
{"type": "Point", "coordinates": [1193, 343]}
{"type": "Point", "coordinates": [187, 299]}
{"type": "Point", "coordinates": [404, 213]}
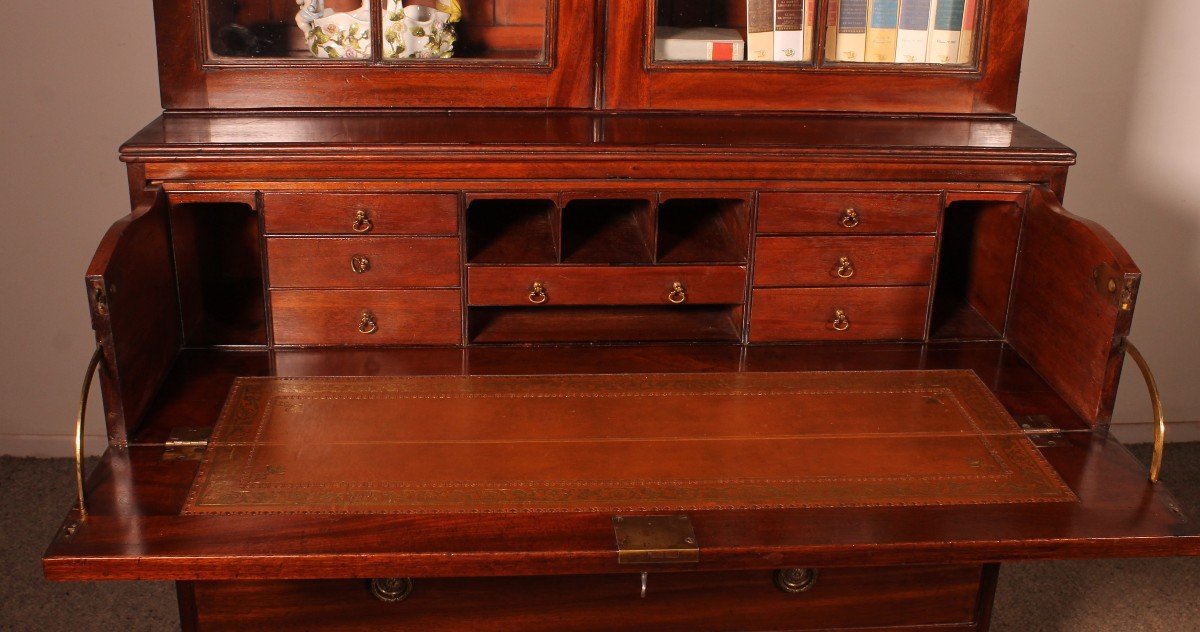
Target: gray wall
{"type": "Point", "coordinates": [1118, 83]}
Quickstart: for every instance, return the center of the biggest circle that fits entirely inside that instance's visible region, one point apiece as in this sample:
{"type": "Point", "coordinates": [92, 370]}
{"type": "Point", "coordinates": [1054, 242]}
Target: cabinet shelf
{"type": "Point", "coordinates": [703, 230]}
{"type": "Point", "coordinates": [608, 231]}
{"type": "Point", "coordinates": [512, 231]}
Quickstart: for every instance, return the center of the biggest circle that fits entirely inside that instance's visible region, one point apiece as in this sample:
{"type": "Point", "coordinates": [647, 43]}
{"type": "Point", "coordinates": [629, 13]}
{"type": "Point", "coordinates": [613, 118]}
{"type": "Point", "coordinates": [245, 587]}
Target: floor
{"type": "Point", "coordinates": [1122, 595]}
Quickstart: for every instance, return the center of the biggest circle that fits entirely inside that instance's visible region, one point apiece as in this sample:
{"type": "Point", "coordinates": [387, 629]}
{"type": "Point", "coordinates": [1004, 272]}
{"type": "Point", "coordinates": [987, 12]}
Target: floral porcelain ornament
{"type": "Point", "coordinates": [332, 34]}
{"type": "Point", "coordinates": [416, 31]}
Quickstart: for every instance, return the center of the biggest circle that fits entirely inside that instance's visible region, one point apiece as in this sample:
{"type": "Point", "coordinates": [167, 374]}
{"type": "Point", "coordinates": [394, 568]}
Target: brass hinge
{"type": "Point", "coordinates": [1041, 431]}
{"type": "Point", "coordinates": [655, 540]}
{"type": "Point", "coordinates": [99, 300]}
{"type": "Point", "coordinates": [186, 444]}
{"type": "Point", "coordinates": [1111, 283]}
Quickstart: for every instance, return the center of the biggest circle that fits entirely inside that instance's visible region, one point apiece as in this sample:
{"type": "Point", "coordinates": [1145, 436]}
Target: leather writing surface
{"type": "Point", "coordinates": [616, 443]}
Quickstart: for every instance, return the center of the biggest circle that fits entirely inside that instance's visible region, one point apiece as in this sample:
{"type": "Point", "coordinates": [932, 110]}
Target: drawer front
{"type": "Point", "coordinates": [868, 313]}
{"type": "Point", "coordinates": [363, 262]}
{"type": "Point", "coordinates": [609, 285]}
{"type": "Point", "coordinates": [843, 261]}
{"type": "Point", "coordinates": [359, 214]}
{"type": "Point", "coordinates": [366, 317]}
{"type": "Point", "coordinates": [848, 213]}
{"type": "Point", "coordinates": [840, 599]}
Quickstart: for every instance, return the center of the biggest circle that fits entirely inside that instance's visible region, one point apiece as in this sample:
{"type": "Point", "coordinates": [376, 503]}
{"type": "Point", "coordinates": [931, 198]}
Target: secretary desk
{"type": "Point", "coordinates": [550, 333]}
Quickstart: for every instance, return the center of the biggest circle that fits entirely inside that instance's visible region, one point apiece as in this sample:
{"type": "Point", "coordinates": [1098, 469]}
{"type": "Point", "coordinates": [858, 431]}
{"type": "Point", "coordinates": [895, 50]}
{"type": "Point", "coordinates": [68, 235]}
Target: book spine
{"type": "Point", "coordinates": [789, 30]}
{"type": "Point", "coordinates": [882, 31]}
{"type": "Point", "coordinates": [966, 43]}
{"type": "Point", "coordinates": [852, 30]}
{"type": "Point", "coordinates": [946, 32]}
{"type": "Point", "coordinates": [831, 30]}
{"type": "Point", "coordinates": [912, 40]}
{"type": "Point", "coordinates": [810, 31]}
{"type": "Point", "coordinates": [760, 27]}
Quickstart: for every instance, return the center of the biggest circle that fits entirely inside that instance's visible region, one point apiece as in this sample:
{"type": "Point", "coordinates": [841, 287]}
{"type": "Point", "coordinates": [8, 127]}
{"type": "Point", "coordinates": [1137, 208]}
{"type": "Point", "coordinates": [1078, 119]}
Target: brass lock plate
{"type": "Point", "coordinates": [186, 444]}
{"type": "Point", "coordinates": [655, 540]}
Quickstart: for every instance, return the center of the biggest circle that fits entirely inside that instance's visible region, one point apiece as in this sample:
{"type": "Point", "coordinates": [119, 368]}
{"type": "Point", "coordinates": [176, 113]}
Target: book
{"type": "Point", "coordinates": [966, 43]}
{"type": "Point", "coordinates": [760, 30]}
{"type": "Point", "coordinates": [831, 30]}
{"type": "Point", "coordinates": [852, 30]}
{"type": "Point", "coordinates": [946, 32]}
{"type": "Point", "coordinates": [789, 30]}
{"type": "Point", "coordinates": [810, 31]}
{"type": "Point", "coordinates": [882, 31]}
{"type": "Point", "coordinates": [912, 39]}
{"type": "Point", "coordinates": [698, 44]}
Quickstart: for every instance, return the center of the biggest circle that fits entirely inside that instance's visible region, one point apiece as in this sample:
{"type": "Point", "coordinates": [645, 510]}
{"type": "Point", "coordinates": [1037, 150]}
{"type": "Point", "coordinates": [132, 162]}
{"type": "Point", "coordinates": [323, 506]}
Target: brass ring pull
{"type": "Point", "coordinates": [537, 295]}
{"type": "Point", "coordinates": [845, 269]}
{"type": "Point", "coordinates": [79, 423]}
{"type": "Point", "coordinates": [841, 322]}
{"type": "Point", "coordinates": [367, 324]}
{"type": "Point", "coordinates": [360, 264]}
{"type": "Point", "coordinates": [391, 589]}
{"type": "Point", "coordinates": [1160, 423]}
{"type": "Point", "coordinates": [795, 580]}
{"type": "Point", "coordinates": [362, 223]}
{"type": "Point", "coordinates": [850, 218]}
{"type": "Point", "coordinates": [678, 295]}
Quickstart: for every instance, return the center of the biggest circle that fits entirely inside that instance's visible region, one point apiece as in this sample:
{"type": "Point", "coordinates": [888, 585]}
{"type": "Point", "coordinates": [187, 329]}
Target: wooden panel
{"type": "Point", "coordinates": [609, 285]}
{"type": "Point", "coordinates": [1070, 330]}
{"type": "Point", "coordinates": [874, 313]}
{"type": "Point", "coordinates": [824, 212]}
{"type": "Point", "coordinates": [134, 305]}
{"type": "Point", "coordinates": [816, 261]}
{"type": "Point", "coordinates": [591, 325]}
{"type": "Point", "coordinates": [332, 317]}
{"type": "Point", "coordinates": [335, 213]}
{"type": "Point", "coordinates": [391, 262]}
{"type": "Point", "coordinates": [841, 598]}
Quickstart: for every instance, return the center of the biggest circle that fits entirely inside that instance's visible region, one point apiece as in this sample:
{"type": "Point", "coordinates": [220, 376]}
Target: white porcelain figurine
{"type": "Point", "coordinates": [421, 32]}
{"type": "Point", "coordinates": [332, 34]}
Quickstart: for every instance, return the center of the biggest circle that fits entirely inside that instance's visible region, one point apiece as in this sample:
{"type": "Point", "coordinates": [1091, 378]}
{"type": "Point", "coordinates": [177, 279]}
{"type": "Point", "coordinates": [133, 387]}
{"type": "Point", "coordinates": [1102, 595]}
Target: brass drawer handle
{"type": "Point", "coordinates": [795, 580]}
{"type": "Point", "coordinates": [367, 324]}
{"type": "Point", "coordinates": [391, 589]}
{"type": "Point", "coordinates": [678, 295]}
{"type": "Point", "coordinates": [841, 322]}
{"type": "Point", "coordinates": [845, 269]}
{"type": "Point", "coordinates": [360, 264]}
{"type": "Point", "coordinates": [537, 295]}
{"type": "Point", "coordinates": [850, 217]}
{"type": "Point", "coordinates": [362, 223]}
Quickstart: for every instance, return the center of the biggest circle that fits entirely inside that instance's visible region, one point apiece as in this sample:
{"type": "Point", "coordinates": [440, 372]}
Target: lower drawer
{"type": "Point", "coordinates": [852, 313]}
{"type": "Point", "coordinates": [606, 285]}
{"type": "Point", "coordinates": [366, 317]}
{"type": "Point", "coordinates": [917, 597]}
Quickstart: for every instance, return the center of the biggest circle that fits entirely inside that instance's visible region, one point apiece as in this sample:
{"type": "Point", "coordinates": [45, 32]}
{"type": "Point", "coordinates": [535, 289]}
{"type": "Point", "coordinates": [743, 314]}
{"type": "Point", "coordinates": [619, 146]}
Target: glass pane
{"type": "Point", "coordinates": [464, 29]}
{"type": "Point", "coordinates": [734, 30]}
{"type": "Point", "coordinates": [299, 29]}
{"type": "Point", "coordinates": [938, 32]}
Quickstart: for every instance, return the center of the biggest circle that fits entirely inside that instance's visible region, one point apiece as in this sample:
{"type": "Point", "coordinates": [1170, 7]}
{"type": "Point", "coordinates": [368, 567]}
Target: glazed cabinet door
{"type": "Point", "coordinates": [229, 54]}
{"type": "Point", "coordinates": [830, 55]}
{"type": "Point", "coordinates": [1073, 304]}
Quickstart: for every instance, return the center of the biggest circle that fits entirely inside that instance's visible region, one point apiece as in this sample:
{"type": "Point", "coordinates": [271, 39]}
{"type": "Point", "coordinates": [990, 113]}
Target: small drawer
{"type": "Point", "coordinates": [856, 313]}
{"type": "Point", "coordinates": [843, 261]}
{"type": "Point", "coordinates": [363, 262]}
{"type": "Point", "coordinates": [366, 317]}
{"type": "Point", "coordinates": [360, 214]}
{"type": "Point", "coordinates": [849, 213]}
{"type": "Point", "coordinates": [608, 285]}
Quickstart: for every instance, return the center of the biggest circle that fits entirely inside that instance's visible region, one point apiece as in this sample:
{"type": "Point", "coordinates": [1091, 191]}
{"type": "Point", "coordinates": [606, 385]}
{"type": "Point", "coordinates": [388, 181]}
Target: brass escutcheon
{"type": "Point", "coordinates": [841, 322]}
{"type": "Point", "coordinates": [537, 295]}
{"type": "Point", "coordinates": [367, 324]}
{"type": "Point", "coordinates": [362, 223]}
{"type": "Point", "coordinates": [795, 580]}
{"type": "Point", "coordinates": [845, 269]}
{"type": "Point", "coordinates": [678, 294]}
{"type": "Point", "coordinates": [850, 218]}
{"type": "Point", "coordinates": [360, 264]}
{"type": "Point", "coordinates": [391, 589]}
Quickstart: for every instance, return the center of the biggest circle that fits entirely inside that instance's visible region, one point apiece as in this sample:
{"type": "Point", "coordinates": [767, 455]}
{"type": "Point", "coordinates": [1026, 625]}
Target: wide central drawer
{"type": "Point", "coordinates": [606, 285]}
{"type": "Point", "coordinates": [363, 262]}
{"type": "Point", "coordinates": [842, 261]}
{"type": "Point", "coordinates": [366, 317]}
